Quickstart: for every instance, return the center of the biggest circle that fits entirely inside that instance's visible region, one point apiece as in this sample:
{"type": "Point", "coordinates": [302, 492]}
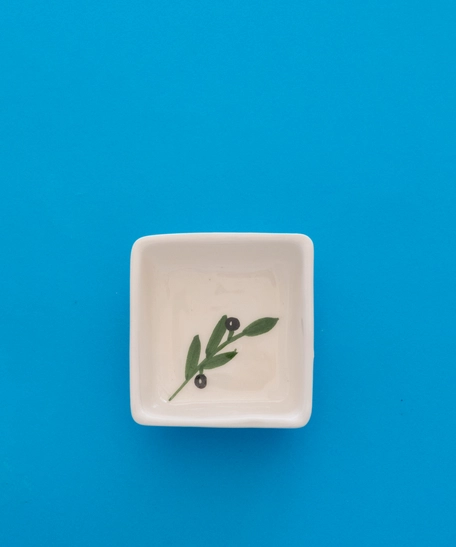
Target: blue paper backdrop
{"type": "Point", "coordinates": [121, 119]}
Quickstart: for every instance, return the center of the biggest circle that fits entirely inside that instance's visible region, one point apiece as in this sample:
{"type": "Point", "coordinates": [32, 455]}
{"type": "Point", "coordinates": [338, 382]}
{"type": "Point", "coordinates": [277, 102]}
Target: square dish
{"type": "Point", "coordinates": [221, 330]}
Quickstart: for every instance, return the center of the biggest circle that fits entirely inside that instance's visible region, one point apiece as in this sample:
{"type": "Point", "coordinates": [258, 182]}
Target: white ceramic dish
{"type": "Point", "coordinates": [228, 312]}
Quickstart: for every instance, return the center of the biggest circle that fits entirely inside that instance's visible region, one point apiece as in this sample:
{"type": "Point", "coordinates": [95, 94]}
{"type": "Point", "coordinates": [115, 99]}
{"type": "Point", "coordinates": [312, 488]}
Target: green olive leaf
{"type": "Point", "coordinates": [260, 326]}
{"type": "Point", "coordinates": [216, 337]}
{"type": "Point", "coordinates": [193, 355]}
{"type": "Point", "coordinates": [219, 360]}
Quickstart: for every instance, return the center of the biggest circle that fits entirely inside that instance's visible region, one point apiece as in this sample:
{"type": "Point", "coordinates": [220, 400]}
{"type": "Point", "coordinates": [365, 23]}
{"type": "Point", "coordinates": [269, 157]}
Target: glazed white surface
{"type": "Point", "coordinates": [180, 286]}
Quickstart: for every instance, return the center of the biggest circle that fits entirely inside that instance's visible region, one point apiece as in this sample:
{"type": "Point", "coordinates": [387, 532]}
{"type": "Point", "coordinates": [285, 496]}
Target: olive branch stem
{"type": "Point", "coordinates": [204, 361]}
{"type": "Point", "coordinates": [179, 388]}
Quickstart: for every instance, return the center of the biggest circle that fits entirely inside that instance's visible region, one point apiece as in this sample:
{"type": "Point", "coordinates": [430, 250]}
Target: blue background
{"type": "Point", "coordinates": [336, 119]}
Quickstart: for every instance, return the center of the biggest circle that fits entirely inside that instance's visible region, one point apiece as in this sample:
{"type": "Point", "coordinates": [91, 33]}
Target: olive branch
{"type": "Point", "coordinates": [213, 358]}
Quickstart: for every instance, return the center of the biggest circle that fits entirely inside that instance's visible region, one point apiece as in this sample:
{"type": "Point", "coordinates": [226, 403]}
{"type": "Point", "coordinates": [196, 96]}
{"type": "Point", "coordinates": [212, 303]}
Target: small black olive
{"type": "Point", "coordinates": [232, 323]}
{"type": "Point", "coordinates": [200, 381]}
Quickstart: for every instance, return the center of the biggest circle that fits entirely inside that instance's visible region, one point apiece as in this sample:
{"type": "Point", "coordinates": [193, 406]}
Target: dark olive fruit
{"type": "Point", "coordinates": [200, 381]}
{"type": "Point", "coordinates": [232, 323]}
